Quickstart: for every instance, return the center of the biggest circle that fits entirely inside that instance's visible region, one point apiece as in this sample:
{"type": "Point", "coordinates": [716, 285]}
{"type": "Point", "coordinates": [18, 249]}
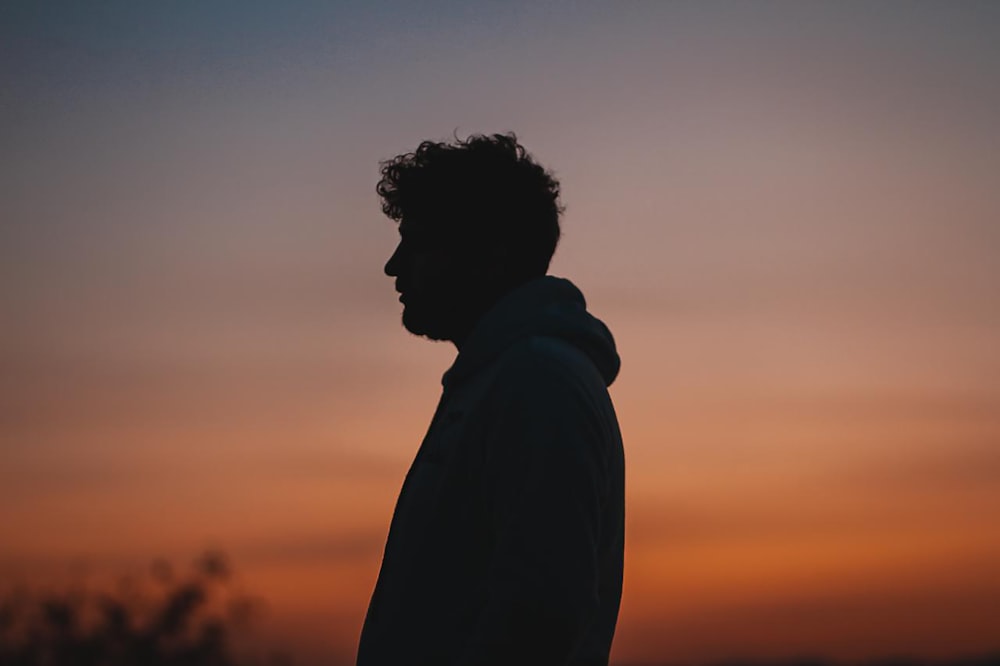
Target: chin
{"type": "Point", "coordinates": [418, 323]}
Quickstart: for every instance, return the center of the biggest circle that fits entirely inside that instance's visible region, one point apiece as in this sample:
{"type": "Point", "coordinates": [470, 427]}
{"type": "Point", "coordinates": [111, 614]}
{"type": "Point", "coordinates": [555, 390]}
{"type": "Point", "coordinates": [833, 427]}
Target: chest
{"type": "Point", "coordinates": [444, 490]}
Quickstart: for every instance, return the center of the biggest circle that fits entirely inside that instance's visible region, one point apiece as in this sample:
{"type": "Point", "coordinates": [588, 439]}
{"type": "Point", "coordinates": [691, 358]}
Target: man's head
{"type": "Point", "coordinates": [476, 218]}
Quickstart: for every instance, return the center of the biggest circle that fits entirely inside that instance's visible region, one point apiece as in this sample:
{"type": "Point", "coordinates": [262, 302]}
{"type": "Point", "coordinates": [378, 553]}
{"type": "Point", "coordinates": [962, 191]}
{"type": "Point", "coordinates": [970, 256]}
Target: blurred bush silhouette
{"type": "Point", "coordinates": [191, 621]}
{"type": "Point", "coordinates": [187, 620]}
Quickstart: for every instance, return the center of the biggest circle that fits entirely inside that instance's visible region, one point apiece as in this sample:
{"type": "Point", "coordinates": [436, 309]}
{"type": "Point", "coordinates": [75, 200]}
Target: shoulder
{"type": "Point", "coordinates": [543, 369]}
{"type": "Point", "coordinates": [548, 399]}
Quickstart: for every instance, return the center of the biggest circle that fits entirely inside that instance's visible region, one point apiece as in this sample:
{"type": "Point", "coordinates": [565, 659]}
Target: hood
{"type": "Point", "coordinates": [545, 306]}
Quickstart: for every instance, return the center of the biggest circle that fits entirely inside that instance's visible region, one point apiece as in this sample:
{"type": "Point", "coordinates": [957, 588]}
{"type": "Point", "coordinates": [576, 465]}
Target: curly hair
{"type": "Point", "coordinates": [483, 191]}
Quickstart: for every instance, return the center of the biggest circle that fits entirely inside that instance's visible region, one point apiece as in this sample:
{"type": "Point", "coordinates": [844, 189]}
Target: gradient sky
{"type": "Point", "coordinates": [787, 213]}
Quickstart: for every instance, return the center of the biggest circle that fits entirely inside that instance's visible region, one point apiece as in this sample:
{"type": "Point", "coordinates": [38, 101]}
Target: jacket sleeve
{"type": "Point", "coordinates": [547, 481]}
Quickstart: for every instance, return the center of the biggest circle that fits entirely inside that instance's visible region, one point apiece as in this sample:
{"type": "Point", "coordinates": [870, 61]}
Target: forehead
{"type": "Point", "coordinates": [408, 229]}
{"type": "Point", "coordinates": [414, 226]}
{"type": "Point", "coordinates": [428, 216]}
{"type": "Point", "coordinates": [417, 235]}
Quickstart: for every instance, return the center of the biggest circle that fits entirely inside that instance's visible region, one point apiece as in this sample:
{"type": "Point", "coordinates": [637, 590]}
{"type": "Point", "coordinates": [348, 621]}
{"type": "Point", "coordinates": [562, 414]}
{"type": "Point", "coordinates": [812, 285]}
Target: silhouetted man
{"type": "Point", "coordinates": [506, 544]}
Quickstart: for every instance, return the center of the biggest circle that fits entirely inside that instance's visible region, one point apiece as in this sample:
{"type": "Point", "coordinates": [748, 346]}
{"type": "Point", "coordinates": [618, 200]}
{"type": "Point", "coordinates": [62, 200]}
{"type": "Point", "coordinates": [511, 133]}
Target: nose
{"type": "Point", "coordinates": [392, 265]}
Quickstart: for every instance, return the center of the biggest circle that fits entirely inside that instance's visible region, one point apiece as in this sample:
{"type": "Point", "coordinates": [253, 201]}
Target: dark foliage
{"type": "Point", "coordinates": [186, 621]}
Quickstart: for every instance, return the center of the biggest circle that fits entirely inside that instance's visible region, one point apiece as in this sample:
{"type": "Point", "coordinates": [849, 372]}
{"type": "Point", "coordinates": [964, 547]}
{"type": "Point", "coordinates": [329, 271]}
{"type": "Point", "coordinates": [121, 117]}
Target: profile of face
{"type": "Point", "coordinates": [441, 285]}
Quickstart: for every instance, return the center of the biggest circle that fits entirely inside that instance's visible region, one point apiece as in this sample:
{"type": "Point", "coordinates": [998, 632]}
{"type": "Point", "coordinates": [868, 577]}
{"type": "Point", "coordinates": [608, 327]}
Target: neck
{"type": "Point", "coordinates": [464, 328]}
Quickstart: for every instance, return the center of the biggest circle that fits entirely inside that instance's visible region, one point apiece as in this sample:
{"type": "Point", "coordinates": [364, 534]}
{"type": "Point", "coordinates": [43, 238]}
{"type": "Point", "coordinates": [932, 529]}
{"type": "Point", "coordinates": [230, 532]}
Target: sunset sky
{"type": "Point", "coordinates": [788, 213]}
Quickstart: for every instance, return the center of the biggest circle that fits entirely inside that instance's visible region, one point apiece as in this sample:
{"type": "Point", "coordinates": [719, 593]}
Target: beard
{"type": "Point", "coordinates": [434, 321]}
{"type": "Point", "coordinates": [447, 310]}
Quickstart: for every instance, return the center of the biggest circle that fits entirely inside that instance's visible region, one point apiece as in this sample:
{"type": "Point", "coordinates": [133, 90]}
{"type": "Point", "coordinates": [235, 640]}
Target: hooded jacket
{"type": "Point", "coordinates": [506, 543]}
